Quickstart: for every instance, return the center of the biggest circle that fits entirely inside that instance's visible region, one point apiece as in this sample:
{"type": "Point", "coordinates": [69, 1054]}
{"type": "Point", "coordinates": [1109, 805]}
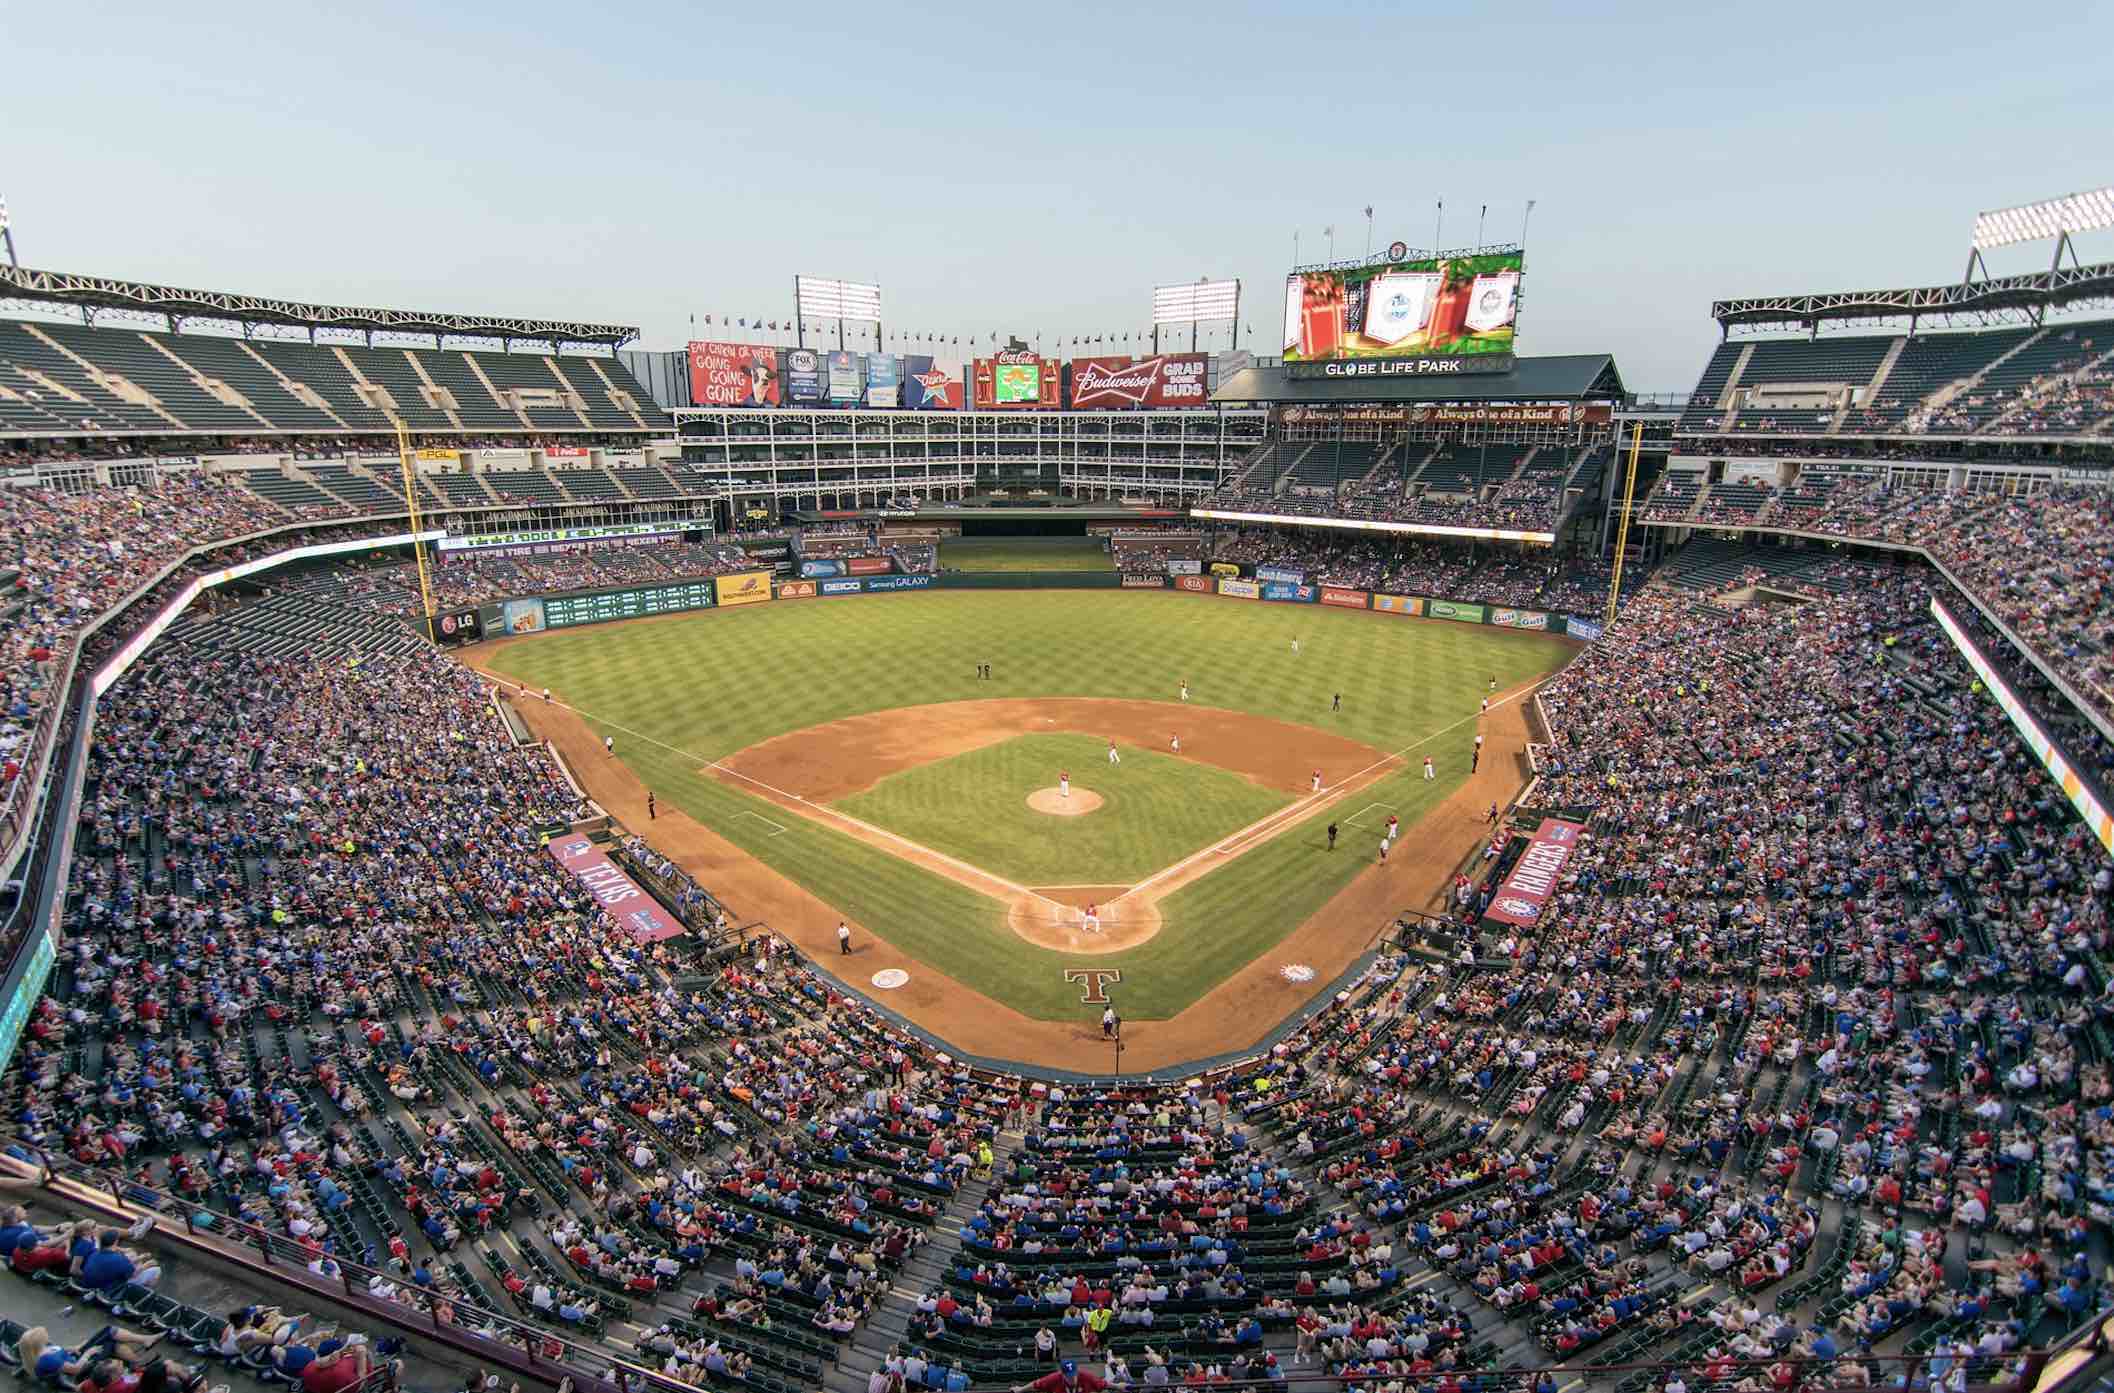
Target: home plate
{"type": "Point", "coordinates": [889, 978]}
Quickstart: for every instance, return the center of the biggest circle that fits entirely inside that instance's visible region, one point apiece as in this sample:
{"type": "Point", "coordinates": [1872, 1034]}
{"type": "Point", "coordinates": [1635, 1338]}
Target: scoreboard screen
{"type": "Point", "coordinates": [564, 611]}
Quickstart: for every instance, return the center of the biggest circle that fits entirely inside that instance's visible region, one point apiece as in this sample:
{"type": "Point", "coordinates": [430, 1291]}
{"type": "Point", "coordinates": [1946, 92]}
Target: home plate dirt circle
{"type": "Point", "coordinates": [1051, 917]}
{"type": "Point", "coordinates": [1053, 802]}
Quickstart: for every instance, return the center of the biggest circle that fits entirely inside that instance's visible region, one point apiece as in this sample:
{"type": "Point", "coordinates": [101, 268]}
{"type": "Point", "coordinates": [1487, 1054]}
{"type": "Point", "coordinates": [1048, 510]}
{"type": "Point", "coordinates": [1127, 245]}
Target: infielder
{"type": "Point", "coordinates": [1185, 689]}
{"type": "Point", "coordinates": [1113, 757]}
{"type": "Point", "coordinates": [1317, 781]}
{"type": "Point", "coordinates": [609, 744]}
{"type": "Point", "coordinates": [1394, 826]}
{"type": "Point", "coordinates": [1429, 772]}
{"type": "Point", "coordinates": [1385, 843]}
{"type": "Point", "coordinates": [1176, 742]}
{"type": "Point", "coordinates": [1064, 783]}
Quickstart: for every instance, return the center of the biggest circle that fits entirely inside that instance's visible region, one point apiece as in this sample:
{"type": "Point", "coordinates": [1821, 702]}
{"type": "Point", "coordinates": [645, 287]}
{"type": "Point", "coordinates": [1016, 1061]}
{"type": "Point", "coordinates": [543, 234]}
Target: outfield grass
{"type": "Point", "coordinates": [1155, 809]}
{"type": "Point", "coordinates": [679, 692]}
{"type": "Point", "coordinates": [1027, 554]}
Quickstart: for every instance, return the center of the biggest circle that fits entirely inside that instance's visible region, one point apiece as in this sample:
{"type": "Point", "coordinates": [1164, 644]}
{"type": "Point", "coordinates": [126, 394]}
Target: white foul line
{"type": "Point", "coordinates": [821, 809]}
{"type": "Point", "coordinates": [1315, 800]}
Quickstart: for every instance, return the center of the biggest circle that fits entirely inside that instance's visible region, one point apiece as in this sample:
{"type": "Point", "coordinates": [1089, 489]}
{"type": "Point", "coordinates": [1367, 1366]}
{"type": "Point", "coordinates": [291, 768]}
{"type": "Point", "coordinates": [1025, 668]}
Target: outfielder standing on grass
{"type": "Point", "coordinates": [1113, 757]}
{"type": "Point", "coordinates": [1429, 772]}
{"type": "Point", "coordinates": [1185, 689]}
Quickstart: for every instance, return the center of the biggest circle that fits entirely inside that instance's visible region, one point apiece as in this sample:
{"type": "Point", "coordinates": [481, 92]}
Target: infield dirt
{"type": "Point", "coordinates": [1232, 1016]}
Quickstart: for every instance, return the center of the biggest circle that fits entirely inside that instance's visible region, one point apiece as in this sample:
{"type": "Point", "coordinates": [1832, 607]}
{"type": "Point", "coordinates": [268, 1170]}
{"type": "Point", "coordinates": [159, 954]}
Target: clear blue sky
{"type": "Point", "coordinates": [1038, 168]}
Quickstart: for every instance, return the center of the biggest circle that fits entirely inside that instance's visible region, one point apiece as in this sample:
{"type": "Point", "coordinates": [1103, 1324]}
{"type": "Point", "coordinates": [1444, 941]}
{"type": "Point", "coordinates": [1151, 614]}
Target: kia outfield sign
{"type": "Point", "coordinates": [1171, 379]}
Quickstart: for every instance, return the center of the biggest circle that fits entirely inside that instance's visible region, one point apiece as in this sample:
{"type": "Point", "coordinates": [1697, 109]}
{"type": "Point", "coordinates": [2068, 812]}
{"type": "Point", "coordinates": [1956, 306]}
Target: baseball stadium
{"type": "Point", "coordinates": [824, 858]}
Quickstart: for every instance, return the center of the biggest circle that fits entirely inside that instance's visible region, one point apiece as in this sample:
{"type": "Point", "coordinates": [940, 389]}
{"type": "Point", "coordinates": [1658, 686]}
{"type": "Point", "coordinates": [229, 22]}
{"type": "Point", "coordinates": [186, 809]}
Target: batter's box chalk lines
{"type": "Point", "coordinates": [777, 830]}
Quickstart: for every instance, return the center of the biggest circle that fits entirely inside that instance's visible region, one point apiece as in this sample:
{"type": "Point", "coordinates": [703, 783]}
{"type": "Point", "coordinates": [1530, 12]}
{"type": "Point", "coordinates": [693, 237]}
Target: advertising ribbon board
{"type": "Point", "coordinates": [843, 587]}
{"type": "Point", "coordinates": [796, 590]}
{"type": "Point", "coordinates": [899, 583]}
{"type": "Point", "coordinates": [1453, 609]}
{"type": "Point", "coordinates": [1587, 629]}
{"type": "Point", "coordinates": [1136, 582]}
{"type": "Point", "coordinates": [1519, 618]}
{"type": "Point", "coordinates": [1195, 585]}
{"type": "Point", "coordinates": [1224, 568]}
{"type": "Point", "coordinates": [813, 569]}
{"type": "Point", "coordinates": [1398, 604]}
{"type": "Point", "coordinates": [1535, 876]}
{"type": "Point", "coordinates": [1283, 574]}
{"type": "Point", "coordinates": [1337, 595]}
{"type": "Point", "coordinates": [745, 588]}
{"type": "Point", "coordinates": [1239, 589]}
{"type": "Point", "coordinates": [617, 893]}
{"type": "Point", "coordinates": [868, 566]}
{"type": "Point", "coordinates": [1301, 594]}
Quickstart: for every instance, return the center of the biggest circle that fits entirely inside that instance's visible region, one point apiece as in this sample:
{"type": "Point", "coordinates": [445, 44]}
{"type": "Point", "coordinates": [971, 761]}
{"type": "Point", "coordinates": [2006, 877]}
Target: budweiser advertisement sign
{"type": "Point", "coordinates": [1172, 379]}
{"type": "Point", "coordinates": [1537, 873]}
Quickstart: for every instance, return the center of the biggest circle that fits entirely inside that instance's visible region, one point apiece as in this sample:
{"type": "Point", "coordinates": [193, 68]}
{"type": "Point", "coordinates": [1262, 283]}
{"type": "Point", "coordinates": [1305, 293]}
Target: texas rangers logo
{"type": "Point", "coordinates": [1524, 909]}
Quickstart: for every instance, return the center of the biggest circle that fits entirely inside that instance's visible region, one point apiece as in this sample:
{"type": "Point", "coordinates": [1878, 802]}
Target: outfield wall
{"type": "Point", "coordinates": [528, 614]}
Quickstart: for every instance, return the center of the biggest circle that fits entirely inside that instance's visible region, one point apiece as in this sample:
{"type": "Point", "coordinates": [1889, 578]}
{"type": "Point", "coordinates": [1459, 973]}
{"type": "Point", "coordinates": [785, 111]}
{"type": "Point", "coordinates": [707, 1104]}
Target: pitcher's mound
{"type": "Point", "coordinates": [1049, 800]}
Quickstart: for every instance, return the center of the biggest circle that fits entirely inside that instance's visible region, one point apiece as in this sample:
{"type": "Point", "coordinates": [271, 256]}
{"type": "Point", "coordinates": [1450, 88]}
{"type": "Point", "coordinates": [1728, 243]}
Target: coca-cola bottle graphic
{"type": "Point", "coordinates": [1321, 318]}
{"type": "Point", "coordinates": [1449, 315]}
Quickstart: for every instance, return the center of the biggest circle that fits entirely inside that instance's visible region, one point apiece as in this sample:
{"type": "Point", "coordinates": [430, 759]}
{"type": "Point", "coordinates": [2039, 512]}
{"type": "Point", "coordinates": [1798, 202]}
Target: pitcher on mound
{"type": "Point", "coordinates": [1064, 783]}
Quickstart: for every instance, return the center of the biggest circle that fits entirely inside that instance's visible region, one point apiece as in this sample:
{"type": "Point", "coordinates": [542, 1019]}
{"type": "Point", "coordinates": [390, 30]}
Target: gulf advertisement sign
{"type": "Point", "coordinates": [1519, 618]}
{"type": "Point", "coordinates": [1239, 589]}
{"type": "Point", "coordinates": [746, 588]}
{"type": "Point", "coordinates": [1349, 599]}
{"type": "Point", "coordinates": [734, 374]}
{"type": "Point", "coordinates": [1398, 604]}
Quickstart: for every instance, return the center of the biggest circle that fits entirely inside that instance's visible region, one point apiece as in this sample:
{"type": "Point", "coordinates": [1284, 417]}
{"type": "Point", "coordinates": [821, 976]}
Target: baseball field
{"type": "Point", "coordinates": [824, 758]}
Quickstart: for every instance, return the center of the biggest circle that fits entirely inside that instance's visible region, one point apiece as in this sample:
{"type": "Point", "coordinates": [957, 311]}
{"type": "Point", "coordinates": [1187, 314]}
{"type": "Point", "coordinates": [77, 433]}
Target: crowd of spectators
{"type": "Point", "coordinates": [1486, 574]}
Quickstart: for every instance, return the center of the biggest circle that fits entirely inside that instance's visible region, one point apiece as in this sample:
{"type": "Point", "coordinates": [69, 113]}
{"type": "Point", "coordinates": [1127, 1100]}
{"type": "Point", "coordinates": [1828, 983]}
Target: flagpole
{"type": "Point", "coordinates": [1368, 232]}
{"type": "Point", "coordinates": [1438, 222]}
{"type": "Point", "coordinates": [1523, 222]}
{"type": "Point", "coordinates": [1479, 226]}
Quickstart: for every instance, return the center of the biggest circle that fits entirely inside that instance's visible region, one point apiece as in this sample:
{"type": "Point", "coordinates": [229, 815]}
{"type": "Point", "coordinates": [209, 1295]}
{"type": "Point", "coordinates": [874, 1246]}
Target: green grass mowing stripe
{"type": "Point", "coordinates": [1156, 809]}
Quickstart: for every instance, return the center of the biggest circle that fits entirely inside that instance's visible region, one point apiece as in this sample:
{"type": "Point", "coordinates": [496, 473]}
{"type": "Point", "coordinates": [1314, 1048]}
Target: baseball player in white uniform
{"type": "Point", "coordinates": [1064, 783]}
{"type": "Point", "coordinates": [1317, 781]}
{"type": "Point", "coordinates": [1185, 689]}
{"type": "Point", "coordinates": [1295, 645]}
{"type": "Point", "coordinates": [1113, 757]}
{"type": "Point", "coordinates": [1429, 772]}
{"type": "Point", "coordinates": [1176, 742]}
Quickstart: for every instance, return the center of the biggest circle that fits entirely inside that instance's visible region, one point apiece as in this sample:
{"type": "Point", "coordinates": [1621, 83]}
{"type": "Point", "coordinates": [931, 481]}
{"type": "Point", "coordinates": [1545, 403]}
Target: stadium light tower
{"type": "Point", "coordinates": [817, 298]}
{"type": "Point", "coordinates": [2051, 219]}
{"type": "Point", "coordinates": [7, 232]}
{"type": "Point", "coordinates": [1202, 298]}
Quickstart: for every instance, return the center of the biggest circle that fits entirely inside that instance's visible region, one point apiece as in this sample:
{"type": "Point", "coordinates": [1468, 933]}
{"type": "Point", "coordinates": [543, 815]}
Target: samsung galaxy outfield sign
{"type": "Point", "coordinates": [1405, 367]}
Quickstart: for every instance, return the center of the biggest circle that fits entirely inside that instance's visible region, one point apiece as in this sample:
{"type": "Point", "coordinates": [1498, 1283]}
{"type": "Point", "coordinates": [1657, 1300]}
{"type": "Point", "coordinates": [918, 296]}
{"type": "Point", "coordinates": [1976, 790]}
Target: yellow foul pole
{"type": "Point", "coordinates": [418, 548]}
{"type": "Point", "coordinates": [1622, 537]}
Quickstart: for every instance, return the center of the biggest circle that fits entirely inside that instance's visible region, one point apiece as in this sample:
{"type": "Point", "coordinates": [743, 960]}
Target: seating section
{"type": "Point", "coordinates": [48, 383]}
{"type": "Point", "coordinates": [1821, 984]}
{"type": "Point", "coordinates": [1673, 497]}
{"type": "Point", "coordinates": [1995, 383]}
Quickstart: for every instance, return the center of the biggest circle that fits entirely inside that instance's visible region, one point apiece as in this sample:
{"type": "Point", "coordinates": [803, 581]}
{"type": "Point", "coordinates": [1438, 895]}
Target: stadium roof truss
{"type": "Point", "coordinates": [91, 293]}
{"type": "Point", "coordinates": [2023, 299]}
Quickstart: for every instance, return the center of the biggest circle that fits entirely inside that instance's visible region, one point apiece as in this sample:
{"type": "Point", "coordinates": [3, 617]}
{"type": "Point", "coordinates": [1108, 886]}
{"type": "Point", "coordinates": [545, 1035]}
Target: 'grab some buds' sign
{"type": "Point", "coordinates": [1171, 379]}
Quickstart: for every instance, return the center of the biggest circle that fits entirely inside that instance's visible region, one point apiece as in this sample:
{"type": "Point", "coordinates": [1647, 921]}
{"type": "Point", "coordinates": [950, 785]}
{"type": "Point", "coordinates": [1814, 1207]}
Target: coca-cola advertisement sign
{"type": "Point", "coordinates": [1171, 379]}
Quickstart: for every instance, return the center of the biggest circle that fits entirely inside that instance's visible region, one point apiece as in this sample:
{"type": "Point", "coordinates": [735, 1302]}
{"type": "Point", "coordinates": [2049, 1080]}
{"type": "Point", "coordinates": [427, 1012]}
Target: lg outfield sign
{"type": "Point", "coordinates": [1171, 379]}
